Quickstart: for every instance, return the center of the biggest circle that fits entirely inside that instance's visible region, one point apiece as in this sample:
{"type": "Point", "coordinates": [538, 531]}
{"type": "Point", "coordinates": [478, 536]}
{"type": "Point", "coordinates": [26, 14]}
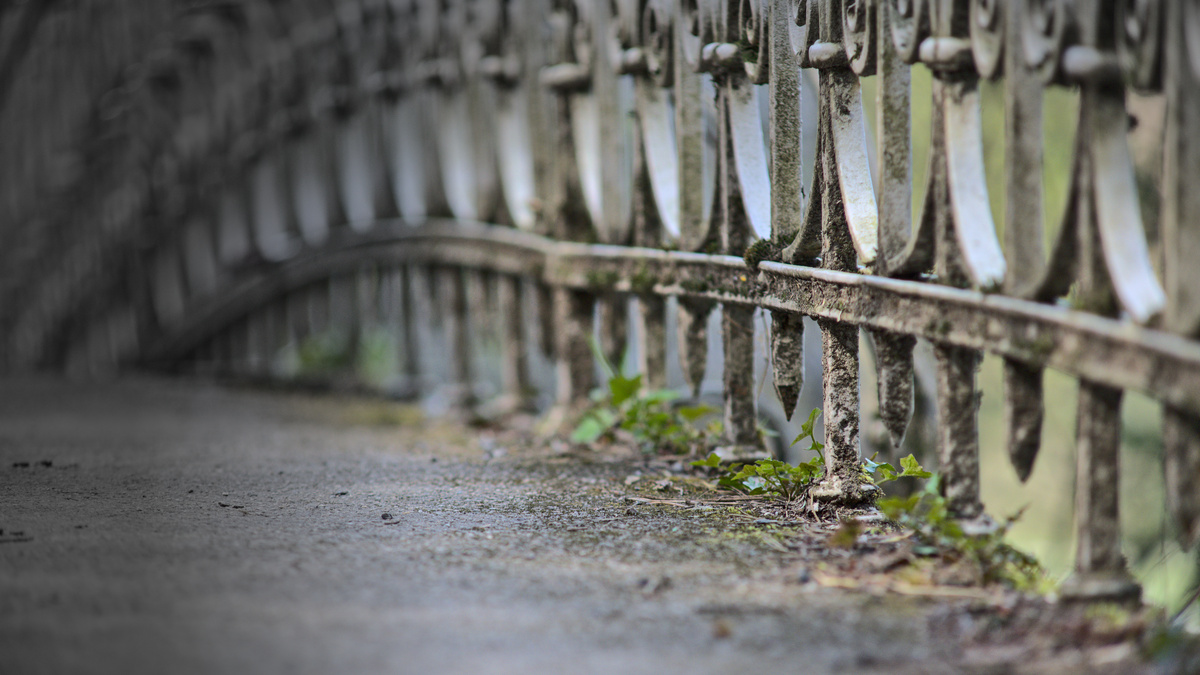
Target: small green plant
{"type": "Point", "coordinates": [882, 472]}
{"type": "Point", "coordinates": [776, 478]}
{"type": "Point", "coordinates": [650, 417]}
{"type": "Point", "coordinates": [939, 533]}
{"type": "Point", "coordinates": [926, 513]}
{"type": "Point", "coordinates": [325, 352]}
{"type": "Point", "coordinates": [773, 477]}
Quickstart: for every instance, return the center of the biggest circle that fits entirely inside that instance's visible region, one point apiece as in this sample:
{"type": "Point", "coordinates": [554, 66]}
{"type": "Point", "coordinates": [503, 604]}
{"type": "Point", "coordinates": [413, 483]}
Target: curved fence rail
{"type": "Point", "coordinates": [649, 149]}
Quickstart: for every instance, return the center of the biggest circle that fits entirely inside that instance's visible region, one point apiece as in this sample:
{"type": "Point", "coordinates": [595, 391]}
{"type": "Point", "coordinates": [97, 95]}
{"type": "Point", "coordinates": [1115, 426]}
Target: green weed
{"type": "Point", "coordinates": [773, 477]}
{"type": "Point", "coordinates": [940, 534]}
{"type": "Point", "coordinates": [778, 479]}
{"type": "Point", "coordinates": [650, 417]}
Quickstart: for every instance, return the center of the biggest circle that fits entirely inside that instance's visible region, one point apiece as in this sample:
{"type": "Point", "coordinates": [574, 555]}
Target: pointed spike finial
{"type": "Point", "coordinates": [1023, 412]}
{"type": "Point", "coordinates": [895, 363]}
{"type": "Point", "coordinates": [787, 358]}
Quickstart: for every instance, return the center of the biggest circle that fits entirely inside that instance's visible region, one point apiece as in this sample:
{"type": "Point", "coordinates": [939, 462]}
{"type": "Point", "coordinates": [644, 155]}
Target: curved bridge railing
{"type": "Point", "coordinates": [655, 149]}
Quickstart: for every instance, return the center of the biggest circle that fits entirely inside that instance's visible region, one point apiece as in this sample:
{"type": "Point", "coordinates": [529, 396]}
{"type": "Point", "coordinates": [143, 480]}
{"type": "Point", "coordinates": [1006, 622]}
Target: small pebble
{"type": "Point", "coordinates": [343, 493]}
{"type": "Point", "coordinates": [387, 516]}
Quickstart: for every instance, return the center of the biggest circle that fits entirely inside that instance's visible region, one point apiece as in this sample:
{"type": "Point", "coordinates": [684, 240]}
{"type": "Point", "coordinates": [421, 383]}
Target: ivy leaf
{"type": "Point", "coordinates": [807, 427]}
{"type": "Point", "coordinates": [871, 466]}
{"type": "Point", "coordinates": [624, 388]}
{"type": "Point", "coordinates": [695, 412]}
{"type": "Point", "coordinates": [711, 462]}
{"type": "Point", "coordinates": [592, 427]}
{"type": "Point", "coordinates": [659, 395]}
{"type": "Point", "coordinates": [911, 467]}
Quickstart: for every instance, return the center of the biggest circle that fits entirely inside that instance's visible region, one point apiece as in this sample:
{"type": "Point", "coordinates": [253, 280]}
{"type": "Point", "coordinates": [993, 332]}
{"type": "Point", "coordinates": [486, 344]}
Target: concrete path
{"type": "Point", "coordinates": [172, 527]}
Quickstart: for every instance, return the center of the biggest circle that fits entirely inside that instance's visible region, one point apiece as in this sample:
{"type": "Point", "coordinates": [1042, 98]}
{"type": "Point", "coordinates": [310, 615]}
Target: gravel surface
{"type": "Point", "coordinates": [155, 526]}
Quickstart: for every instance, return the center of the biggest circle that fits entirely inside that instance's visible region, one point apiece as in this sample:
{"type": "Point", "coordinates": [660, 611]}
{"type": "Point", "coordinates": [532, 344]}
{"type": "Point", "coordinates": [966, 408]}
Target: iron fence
{"type": "Point", "coordinates": [542, 158]}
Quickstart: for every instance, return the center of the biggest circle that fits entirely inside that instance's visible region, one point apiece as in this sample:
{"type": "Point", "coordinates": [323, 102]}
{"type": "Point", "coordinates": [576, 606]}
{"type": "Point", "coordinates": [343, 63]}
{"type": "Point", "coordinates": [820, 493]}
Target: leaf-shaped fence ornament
{"type": "Point", "coordinates": [465, 101]}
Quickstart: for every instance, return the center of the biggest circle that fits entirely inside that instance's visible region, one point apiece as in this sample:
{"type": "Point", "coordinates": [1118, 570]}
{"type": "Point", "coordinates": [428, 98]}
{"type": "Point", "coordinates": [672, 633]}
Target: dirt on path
{"type": "Point", "coordinates": [153, 526]}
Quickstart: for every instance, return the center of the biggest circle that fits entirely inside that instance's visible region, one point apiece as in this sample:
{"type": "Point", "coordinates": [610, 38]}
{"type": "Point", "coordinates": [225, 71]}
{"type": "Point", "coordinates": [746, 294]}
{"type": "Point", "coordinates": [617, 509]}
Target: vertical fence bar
{"type": "Point", "coordinates": [1181, 236]}
{"type": "Point", "coordinates": [787, 201]}
{"type": "Point", "coordinates": [692, 336]}
{"type": "Point", "coordinates": [573, 322]}
{"type": "Point", "coordinates": [1023, 241]}
{"type": "Point", "coordinates": [240, 346]}
{"type": "Point", "coordinates": [958, 436]}
{"type": "Point", "coordinates": [1100, 570]}
{"type": "Point", "coordinates": [1099, 565]}
{"type": "Point", "coordinates": [486, 330]}
{"type": "Point", "coordinates": [695, 199]}
{"type": "Point", "coordinates": [318, 308]}
{"type": "Point", "coordinates": [651, 323]}
{"type": "Point", "coordinates": [547, 303]}
{"type": "Point", "coordinates": [344, 317]}
{"type": "Point", "coordinates": [893, 352]}
{"type": "Point", "coordinates": [297, 319]}
{"type": "Point", "coordinates": [566, 315]}
{"type": "Point", "coordinates": [957, 396]}
{"type": "Point", "coordinates": [511, 305]}
{"type": "Point", "coordinates": [893, 115]}
{"type": "Point", "coordinates": [737, 321]}
{"type": "Point", "coordinates": [652, 340]}
{"type": "Point", "coordinates": [839, 341]}
{"type": "Point", "coordinates": [453, 294]}
{"type": "Point", "coordinates": [274, 333]}
{"type": "Point", "coordinates": [613, 316]}
{"type": "Point", "coordinates": [410, 363]}
{"type": "Point", "coordinates": [366, 298]}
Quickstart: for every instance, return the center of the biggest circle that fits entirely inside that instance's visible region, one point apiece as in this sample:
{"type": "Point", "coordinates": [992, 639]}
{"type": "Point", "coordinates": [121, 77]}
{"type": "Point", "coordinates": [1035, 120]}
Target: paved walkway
{"type": "Point", "coordinates": [173, 527]}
